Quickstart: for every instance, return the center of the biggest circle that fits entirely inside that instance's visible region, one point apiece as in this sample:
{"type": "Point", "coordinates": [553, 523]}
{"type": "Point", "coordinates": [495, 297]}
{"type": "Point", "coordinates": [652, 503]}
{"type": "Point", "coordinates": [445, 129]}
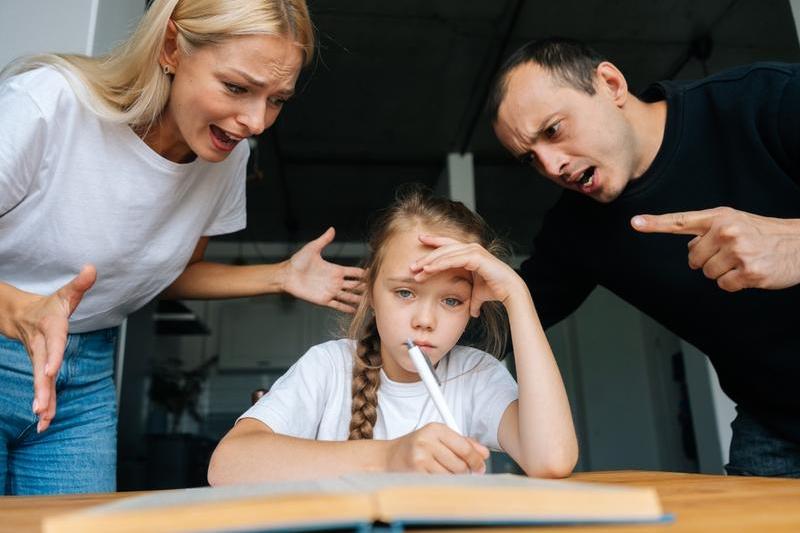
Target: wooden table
{"type": "Point", "coordinates": [700, 504]}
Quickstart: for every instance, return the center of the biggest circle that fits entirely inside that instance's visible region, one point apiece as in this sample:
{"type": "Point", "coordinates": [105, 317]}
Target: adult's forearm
{"type": "Point", "coordinates": [256, 456]}
{"type": "Point", "coordinates": [206, 280]}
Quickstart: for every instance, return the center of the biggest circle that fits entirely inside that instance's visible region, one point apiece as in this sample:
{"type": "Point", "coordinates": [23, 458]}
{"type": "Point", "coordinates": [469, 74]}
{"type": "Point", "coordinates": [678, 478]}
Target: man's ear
{"type": "Point", "coordinates": [170, 53]}
{"type": "Point", "coordinates": [611, 81]}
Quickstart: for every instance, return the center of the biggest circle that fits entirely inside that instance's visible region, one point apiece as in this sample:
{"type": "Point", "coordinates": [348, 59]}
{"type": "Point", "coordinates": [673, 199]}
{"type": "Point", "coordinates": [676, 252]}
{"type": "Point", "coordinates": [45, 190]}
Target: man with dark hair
{"type": "Point", "coordinates": [719, 159]}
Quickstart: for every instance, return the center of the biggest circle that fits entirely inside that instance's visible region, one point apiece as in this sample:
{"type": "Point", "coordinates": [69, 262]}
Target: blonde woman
{"type": "Point", "coordinates": [114, 172]}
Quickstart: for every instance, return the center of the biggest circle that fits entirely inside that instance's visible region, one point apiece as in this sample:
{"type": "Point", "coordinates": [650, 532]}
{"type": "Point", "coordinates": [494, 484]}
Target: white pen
{"type": "Point", "coordinates": [425, 371]}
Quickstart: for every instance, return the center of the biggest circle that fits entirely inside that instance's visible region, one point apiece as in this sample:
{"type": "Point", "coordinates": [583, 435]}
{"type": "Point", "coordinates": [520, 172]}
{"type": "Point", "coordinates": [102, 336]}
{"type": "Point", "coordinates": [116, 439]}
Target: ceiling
{"type": "Point", "coordinates": [396, 86]}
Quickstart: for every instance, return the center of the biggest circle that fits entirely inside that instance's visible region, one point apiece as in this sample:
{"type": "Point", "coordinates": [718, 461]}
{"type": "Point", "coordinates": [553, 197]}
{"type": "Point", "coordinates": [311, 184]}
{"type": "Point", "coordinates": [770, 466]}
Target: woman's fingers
{"type": "Point", "coordinates": [55, 339]}
{"type": "Point", "coordinates": [73, 291]}
{"type": "Point", "coordinates": [348, 297]}
{"type": "Point", "coordinates": [44, 386]}
{"type": "Point", "coordinates": [354, 273]}
{"type": "Point", "coordinates": [354, 286]}
{"type": "Point", "coordinates": [339, 306]}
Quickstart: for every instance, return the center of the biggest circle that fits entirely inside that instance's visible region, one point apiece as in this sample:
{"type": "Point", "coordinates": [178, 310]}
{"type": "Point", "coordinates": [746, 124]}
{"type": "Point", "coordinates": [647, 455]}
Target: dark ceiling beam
{"type": "Point", "coordinates": [483, 82]}
{"type": "Point", "coordinates": [361, 161]}
{"type": "Point", "coordinates": [371, 161]}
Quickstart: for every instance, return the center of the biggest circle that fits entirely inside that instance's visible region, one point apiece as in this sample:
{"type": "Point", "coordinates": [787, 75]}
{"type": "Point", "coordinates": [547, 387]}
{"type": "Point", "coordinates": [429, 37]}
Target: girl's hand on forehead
{"type": "Point", "coordinates": [492, 279]}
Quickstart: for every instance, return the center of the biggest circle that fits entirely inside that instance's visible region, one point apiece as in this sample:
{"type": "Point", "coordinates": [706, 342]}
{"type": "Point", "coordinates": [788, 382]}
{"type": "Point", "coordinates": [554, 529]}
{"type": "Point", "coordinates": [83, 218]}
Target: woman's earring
{"type": "Point", "coordinates": [167, 70]}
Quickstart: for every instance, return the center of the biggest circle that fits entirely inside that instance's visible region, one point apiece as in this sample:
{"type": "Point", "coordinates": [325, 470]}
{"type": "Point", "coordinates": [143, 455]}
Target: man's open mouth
{"type": "Point", "coordinates": [585, 179]}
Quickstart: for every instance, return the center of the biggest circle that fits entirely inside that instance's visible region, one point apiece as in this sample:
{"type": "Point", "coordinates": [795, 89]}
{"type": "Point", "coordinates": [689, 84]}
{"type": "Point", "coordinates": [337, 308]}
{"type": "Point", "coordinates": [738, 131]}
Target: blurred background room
{"type": "Point", "coordinates": [396, 95]}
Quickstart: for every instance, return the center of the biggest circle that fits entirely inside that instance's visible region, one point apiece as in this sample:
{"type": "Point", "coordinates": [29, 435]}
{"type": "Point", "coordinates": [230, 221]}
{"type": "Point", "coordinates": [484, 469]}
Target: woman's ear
{"type": "Point", "coordinates": [170, 52]}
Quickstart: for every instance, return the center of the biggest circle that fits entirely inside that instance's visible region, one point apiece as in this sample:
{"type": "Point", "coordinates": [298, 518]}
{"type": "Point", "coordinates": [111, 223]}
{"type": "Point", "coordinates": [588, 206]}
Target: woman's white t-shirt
{"type": "Point", "coordinates": [313, 399]}
{"type": "Point", "coordinates": [76, 189]}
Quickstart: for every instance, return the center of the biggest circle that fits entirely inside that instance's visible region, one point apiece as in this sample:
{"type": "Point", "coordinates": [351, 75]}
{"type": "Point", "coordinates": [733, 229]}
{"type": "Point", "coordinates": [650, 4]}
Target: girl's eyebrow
{"type": "Point", "coordinates": [402, 280]}
{"type": "Point", "coordinates": [409, 281]}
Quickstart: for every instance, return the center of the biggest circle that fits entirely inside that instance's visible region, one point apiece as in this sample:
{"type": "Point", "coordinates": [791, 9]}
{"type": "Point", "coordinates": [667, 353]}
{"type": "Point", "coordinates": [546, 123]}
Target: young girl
{"type": "Point", "coordinates": [357, 404]}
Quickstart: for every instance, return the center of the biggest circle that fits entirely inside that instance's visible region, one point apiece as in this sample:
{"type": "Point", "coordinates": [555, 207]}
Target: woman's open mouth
{"type": "Point", "coordinates": [222, 140]}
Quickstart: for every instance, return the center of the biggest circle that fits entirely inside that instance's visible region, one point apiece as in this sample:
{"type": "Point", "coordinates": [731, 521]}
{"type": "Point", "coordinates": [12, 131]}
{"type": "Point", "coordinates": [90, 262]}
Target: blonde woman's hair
{"type": "Point", "coordinates": [414, 207]}
{"type": "Point", "coordinates": [128, 85]}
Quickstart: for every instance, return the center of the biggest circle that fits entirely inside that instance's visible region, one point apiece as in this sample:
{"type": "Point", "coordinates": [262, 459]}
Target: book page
{"type": "Point", "coordinates": [201, 495]}
{"type": "Point", "coordinates": [501, 499]}
{"type": "Point", "coordinates": [371, 482]}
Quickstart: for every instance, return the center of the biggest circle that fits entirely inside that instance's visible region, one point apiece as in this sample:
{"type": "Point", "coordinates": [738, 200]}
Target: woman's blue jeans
{"type": "Point", "coordinates": [78, 452]}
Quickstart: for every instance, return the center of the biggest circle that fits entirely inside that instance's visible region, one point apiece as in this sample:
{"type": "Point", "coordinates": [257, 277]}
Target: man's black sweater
{"type": "Point", "coordinates": [732, 139]}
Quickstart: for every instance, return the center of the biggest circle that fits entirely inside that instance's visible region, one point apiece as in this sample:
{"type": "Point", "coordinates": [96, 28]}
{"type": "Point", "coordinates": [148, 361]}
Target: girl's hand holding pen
{"type": "Point", "coordinates": [492, 278]}
{"type": "Point", "coordinates": [435, 449]}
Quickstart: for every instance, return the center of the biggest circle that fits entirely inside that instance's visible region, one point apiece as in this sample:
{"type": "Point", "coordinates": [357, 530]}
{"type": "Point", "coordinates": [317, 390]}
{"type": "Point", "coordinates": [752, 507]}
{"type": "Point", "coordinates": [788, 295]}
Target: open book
{"type": "Point", "coordinates": [358, 502]}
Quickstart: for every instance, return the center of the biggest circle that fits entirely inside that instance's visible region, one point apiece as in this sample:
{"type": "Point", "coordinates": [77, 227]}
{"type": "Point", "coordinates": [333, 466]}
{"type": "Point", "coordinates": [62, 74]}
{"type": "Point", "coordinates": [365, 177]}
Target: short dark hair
{"type": "Point", "coordinates": [571, 62]}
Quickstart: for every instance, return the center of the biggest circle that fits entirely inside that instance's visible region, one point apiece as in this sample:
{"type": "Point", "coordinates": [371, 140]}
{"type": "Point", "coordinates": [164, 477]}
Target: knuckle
{"type": "Point", "coordinates": [418, 461]}
{"type": "Point", "coordinates": [729, 232]}
{"type": "Point", "coordinates": [753, 273]}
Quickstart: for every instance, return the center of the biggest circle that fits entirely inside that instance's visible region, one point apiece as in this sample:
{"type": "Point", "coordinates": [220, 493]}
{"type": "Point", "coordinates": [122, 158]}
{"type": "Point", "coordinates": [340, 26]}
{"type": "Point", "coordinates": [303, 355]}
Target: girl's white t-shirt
{"type": "Point", "coordinates": [313, 398]}
{"type": "Point", "coordinates": [76, 189]}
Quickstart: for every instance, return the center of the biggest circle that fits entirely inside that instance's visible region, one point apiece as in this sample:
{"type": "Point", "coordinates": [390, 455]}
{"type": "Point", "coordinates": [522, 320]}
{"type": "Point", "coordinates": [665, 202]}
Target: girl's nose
{"type": "Point", "coordinates": [424, 317]}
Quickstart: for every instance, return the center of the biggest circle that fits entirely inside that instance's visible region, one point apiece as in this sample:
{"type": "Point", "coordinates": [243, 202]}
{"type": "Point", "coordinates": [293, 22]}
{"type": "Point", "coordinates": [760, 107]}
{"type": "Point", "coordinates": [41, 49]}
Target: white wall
{"type": "Point", "coordinates": [116, 19]}
{"type": "Point", "coordinates": [73, 26]}
{"type": "Point", "coordinates": [712, 411]}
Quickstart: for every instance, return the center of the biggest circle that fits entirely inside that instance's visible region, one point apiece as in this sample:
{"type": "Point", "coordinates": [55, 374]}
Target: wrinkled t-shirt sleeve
{"type": "Point", "coordinates": [23, 138]}
{"type": "Point", "coordinates": [296, 401]}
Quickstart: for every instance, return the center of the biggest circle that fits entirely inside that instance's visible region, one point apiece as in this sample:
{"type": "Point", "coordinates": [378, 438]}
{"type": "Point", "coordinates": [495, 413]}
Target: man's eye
{"type": "Point", "coordinates": [527, 159]}
{"type": "Point", "coordinates": [452, 302]}
{"type": "Point", "coordinates": [552, 131]}
{"type": "Point", "coordinates": [235, 89]}
{"type": "Point", "coordinates": [405, 294]}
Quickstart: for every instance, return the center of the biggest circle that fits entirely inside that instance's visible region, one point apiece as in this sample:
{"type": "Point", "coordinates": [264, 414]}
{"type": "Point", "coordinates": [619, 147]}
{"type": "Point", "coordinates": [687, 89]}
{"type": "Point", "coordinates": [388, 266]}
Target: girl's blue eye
{"type": "Point", "coordinates": [277, 101]}
{"type": "Point", "coordinates": [405, 294]}
{"type": "Point", "coordinates": [452, 302]}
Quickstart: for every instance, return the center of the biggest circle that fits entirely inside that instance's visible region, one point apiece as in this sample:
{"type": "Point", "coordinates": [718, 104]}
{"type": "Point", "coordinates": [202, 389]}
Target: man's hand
{"type": "Point", "coordinates": [739, 250]}
{"type": "Point", "coordinates": [311, 278]}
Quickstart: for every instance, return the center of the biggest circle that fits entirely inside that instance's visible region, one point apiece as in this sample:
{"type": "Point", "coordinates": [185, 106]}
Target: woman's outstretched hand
{"type": "Point", "coordinates": [311, 278]}
{"type": "Point", "coordinates": [42, 327]}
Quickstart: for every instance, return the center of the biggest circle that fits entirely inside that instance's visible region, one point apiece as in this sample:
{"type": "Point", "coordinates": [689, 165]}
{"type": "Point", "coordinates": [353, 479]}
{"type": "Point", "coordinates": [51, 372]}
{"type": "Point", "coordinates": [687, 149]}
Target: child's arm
{"type": "Point", "coordinates": [536, 430]}
{"type": "Point", "coordinates": [251, 452]}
